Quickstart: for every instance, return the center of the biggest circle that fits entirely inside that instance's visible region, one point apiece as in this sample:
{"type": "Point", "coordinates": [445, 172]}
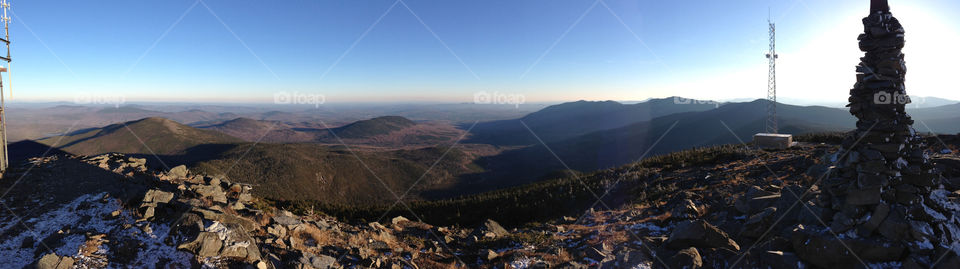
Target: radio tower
{"type": "Point", "coordinates": [772, 81]}
{"type": "Point", "coordinates": [4, 162]}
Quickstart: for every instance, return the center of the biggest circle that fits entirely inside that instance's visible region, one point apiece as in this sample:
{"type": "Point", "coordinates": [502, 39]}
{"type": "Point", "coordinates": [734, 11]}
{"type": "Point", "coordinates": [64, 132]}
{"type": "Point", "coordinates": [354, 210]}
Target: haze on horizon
{"type": "Point", "coordinates": [413, 50]}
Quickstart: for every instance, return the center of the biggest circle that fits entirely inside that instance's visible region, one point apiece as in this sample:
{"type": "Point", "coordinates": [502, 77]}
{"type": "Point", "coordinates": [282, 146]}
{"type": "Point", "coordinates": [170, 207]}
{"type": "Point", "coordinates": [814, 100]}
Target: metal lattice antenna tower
{"type": "Point", "coordinates": [772, 81]}
{"type": "Point", "coordinates": [4, 162]}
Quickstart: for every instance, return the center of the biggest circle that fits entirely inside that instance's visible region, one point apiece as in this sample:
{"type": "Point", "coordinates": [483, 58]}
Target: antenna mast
{"type": "Point", "coordinates": [4, 162]}
{"type": "Point", "coordinates": [772, 81]}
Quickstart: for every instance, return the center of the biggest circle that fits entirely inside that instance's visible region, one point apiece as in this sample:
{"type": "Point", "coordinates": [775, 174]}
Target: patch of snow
{"type": "Point", "coordinates": [885, 265]}
{"type": "Point", "coordinates": [851, 234]}
{"type": "Point", "coordinates": [14, 254]}
{"type": "Point", "coordinates": [653, 229]}
{"type": "Point", "coordinates": [925, 244]}
{"type": "Point", "coordinates": [901, 163]}
{"type": "Point", "coordinates": [219, 229]}
{"type": "Point", "coordinates": [643, 265]}
{"type": "Point", "coordinates": [522, 262]}
{"type": "Point", "coordinates": [71, 245]}
{"type": "Point", "coordinates": [940, 197]}
{"type": "Point", "coordinates": [153, 249]}
{"type": "Point", "coordinates": [86, 214]}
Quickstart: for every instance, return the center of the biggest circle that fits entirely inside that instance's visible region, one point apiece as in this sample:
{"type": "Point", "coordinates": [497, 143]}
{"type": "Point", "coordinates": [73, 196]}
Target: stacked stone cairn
{"type": "Point", "coordinates": [884, 187]}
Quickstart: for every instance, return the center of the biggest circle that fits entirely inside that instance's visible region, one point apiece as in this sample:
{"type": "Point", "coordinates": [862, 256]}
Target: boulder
{"type": "Point", "coordinates": [748, 204]}
{"type": "Point", "coordinates": [759, 223]}
{"type": "Point", "coordinates": [277, 231]}
{"type": "Point", "coordinates": [207, 244]}
{"type": "Point", "coordinates": [215, 193]}
{"type": "Point", "coordinates": [286, 220]}
{"type": "Point", "coordinates": [157, 196]}
{"type": "Point", "coordinates": [822, 249]}
{"type": "Point", "coordinates": [189, 225]}
{"type": "Point", "coordinates": [685, 209]}
{"type": "Point", "coordinates": [244, 197]}
{"type": "Point", "coordinates": [490, 228]}
{"type": "Point", "coordinates": [864, 196]}
{"type": "Point", "coordinates": [686, 258]}
{"type": "Point", "coordinates": [54, 261]}
{"type": "Point", "coordinates": [488, 254]}
{"type": "Point", "coordinates": [398, 220]}
{"type": "Point", "coordinates": [699, 233]}
{"type": "Point", "coordinates": [634, 259]}
{"type": "Point", "coordinates": [178, 172]}
{"type": "Point", "coordinates": [213, 181]}
{"type": "Point", "coordinates": [596, 255]}
{"type": "Point", "coordinates": [318, 261]}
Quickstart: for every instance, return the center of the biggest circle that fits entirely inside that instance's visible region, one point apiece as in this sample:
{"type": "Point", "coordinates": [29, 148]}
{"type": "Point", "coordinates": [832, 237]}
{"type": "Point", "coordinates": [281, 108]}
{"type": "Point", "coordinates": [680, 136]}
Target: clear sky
{"type": "Point", "coordinates": [416, 50]}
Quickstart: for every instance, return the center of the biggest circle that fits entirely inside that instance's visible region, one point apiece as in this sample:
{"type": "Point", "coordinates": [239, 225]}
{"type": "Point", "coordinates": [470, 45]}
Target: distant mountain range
{"type": "Point", "coordinates": [568, 120]}
{"type": "Point", "coordinates": [731, 123]}
{"type": "Point", "coordinates": [584, 136]}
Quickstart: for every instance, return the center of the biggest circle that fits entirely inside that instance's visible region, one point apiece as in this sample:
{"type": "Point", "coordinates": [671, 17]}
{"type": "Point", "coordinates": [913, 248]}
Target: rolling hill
{"type": "Point", "coordinates": [373, 127]}
{"type": "Point", "coordinates": [334, 174]}
{"type": "Point", "coordinates": [260, 130]}
{"type": "Point", "coordinates": [145, 136]}
{"type": "Point", "coordinates": [729, 123]}
{"type": "Point", "coordinates": [618, 146]}
{"type": "Point", "coordinates": [568, 120]}
{"type": "Point", "coordinates": [386, 131]}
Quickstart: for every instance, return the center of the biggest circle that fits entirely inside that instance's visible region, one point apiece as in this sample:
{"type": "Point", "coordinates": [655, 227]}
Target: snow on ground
{"type": "Point", "coordinates": [22, 243]}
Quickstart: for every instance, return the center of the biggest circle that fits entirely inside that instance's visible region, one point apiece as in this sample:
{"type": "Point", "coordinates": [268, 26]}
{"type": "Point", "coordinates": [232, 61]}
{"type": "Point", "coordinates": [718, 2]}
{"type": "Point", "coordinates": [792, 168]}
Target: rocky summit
{"type": "Point", "coordinates": [759, 210]}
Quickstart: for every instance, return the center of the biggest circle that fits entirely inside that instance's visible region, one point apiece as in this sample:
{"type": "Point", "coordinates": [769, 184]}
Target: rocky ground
{"type": "Point", "coordinates": [756, 212]}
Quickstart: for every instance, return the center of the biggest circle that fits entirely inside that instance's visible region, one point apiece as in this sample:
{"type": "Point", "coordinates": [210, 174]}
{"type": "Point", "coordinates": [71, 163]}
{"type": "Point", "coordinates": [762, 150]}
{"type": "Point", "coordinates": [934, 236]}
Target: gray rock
{"type": "Point", "coordinates": [178, 172]}
{"type": "Point", "coordinates": [597, 255]}
{"type": "Point", "coordinates": [865, 196]}
{"type": "Point", "coordinates": [277, 231]}
{"type": "Point", "coordinates": [215, 193]}
{"type": "Point", "coordinates": [213, 181]}
{"type": "Point", "coordinates": [488, 254]}
{"type": "Point", "coordinates": [148, 210]}
{"type": "Point", "coordinates": [824, 250]}
{"type": "Point", "coordinates": [699, 233]}
{"type": "Point", "coordinates": [754, 200]}
{"type": "Point", "coordinates": [759, 223]}
{"type": "Point", "coordinates": [54, 261]}
{"type": "Point", "coordinates": [318, 261]}
{"type": "Point", "coordinates": [398, 220]}
{"type": "Point", "coordinates": [634, 259]}
{"type": "Point", "coordinates": [157, 196]}
{"type": "Point", "coordinates": [188, 225]}
{"type": "Point", "coordinates": [286, 220]}
{"type": "Point", "coordinates": [686, 209]}
{"type": "Point", "coordinates": [687, 258]}
{"type": "Point", "coordinates": [244, 197]}
{"type": "Point", "coordinates": [207, 244]}
{"type": "Point", "coordinates": [490, 228]}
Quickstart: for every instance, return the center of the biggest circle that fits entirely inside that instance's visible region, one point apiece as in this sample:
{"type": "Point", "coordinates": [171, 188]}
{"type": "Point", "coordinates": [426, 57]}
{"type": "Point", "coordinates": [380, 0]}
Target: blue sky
{"type": "Point", "coordinates": [246, 51]}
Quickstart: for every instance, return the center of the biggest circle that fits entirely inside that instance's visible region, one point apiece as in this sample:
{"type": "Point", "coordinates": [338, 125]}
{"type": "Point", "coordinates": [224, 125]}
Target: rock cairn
{"type": "Point", "coordinates": [885, 189]}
